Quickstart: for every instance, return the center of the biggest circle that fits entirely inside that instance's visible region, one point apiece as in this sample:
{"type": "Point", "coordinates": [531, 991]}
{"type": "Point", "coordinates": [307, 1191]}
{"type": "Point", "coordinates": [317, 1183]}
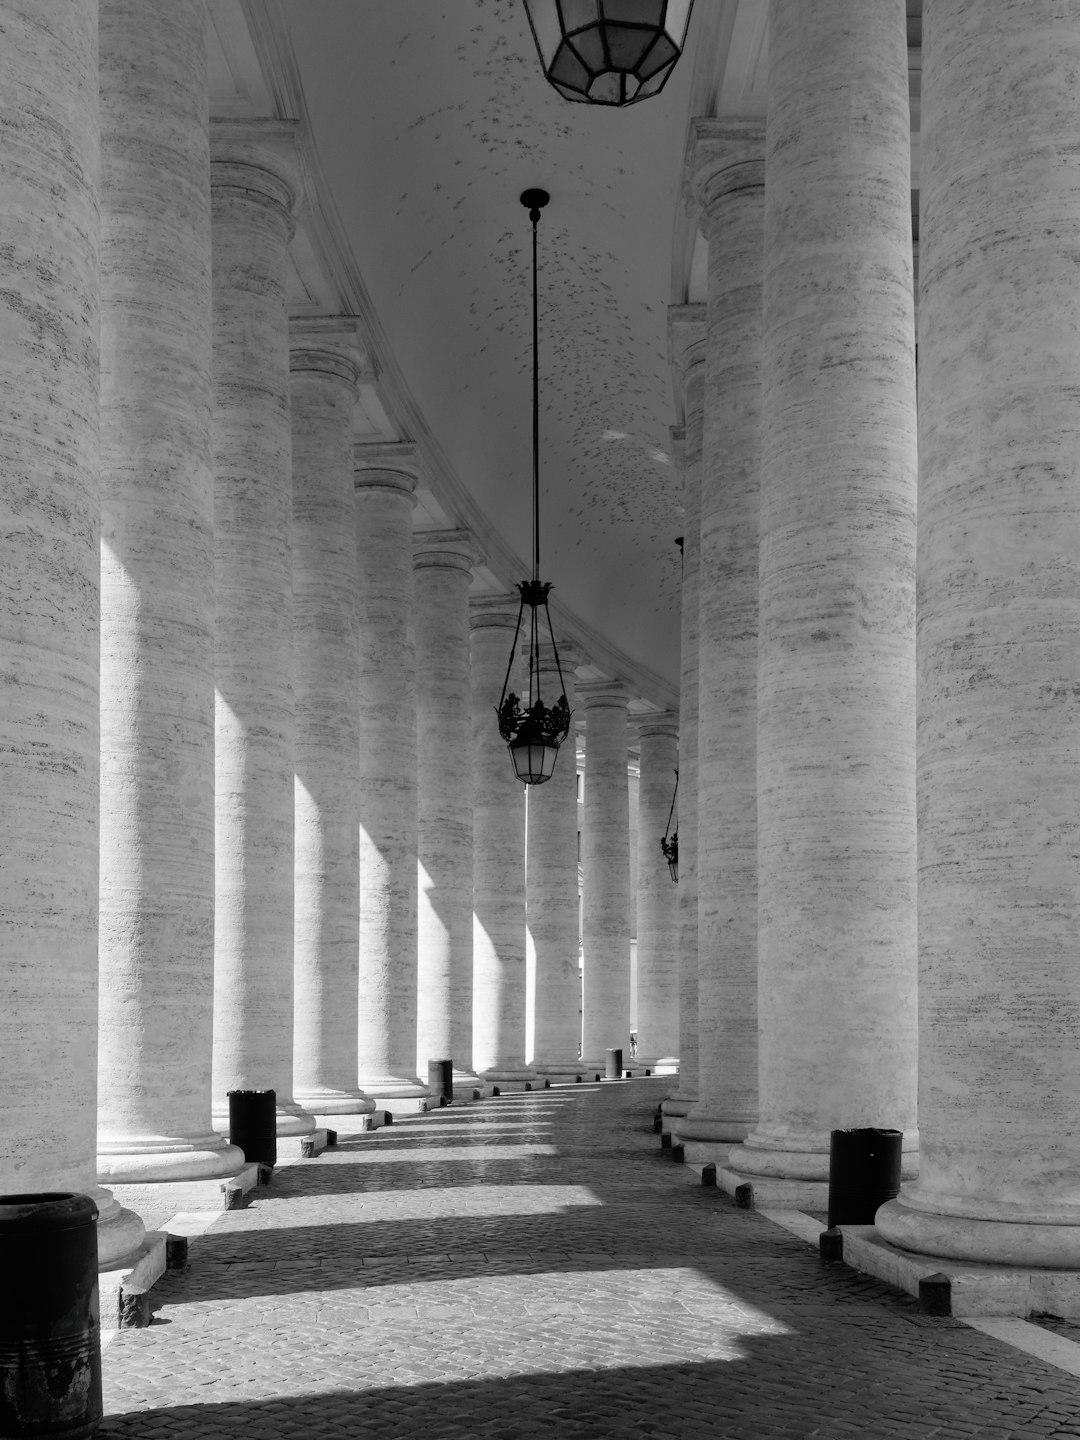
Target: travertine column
{"type": "Point", "coordinates": [686, 333]}
{"type": "Point", "coordinates": [442, 572]}
{"type": "Point", "coordinates": [385, 481]}
{"type": "Point", "coordinates": [498, 855]}
{"type": "Point", "coordinates": [49, 500]}
{"type": "Point", "coordinates": [605, 862]}
{"type": "Point", "coordinates": [157, 597]}
{"type": "Point", "coordinates": [836, 794]}
{"type": "Point", "coordinates": [726, 170]}
{"type": "Point", "coordinates": [551, 888]}
{"type": "Point", "coordinates": [325, 367]}
{"type": "Point", "coordinates": [999, 641]}
{"type": "Point", "coordinates": [657, 898]}
{"type": "Point", "coordinates": [254, 182]}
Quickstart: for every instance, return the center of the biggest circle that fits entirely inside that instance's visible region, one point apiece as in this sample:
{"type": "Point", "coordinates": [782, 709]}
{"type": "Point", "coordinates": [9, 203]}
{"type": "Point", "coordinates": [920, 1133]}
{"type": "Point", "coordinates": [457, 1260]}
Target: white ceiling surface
{"type": "Point", "coordinates": [427, 120]}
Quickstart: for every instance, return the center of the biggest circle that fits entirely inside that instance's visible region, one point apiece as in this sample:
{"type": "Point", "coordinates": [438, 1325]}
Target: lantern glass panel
{"type": "Point", "coordinates": [627, 46]}
{"type": "Point", "coordinates": [637, 12]}
{"type": "Point", "coordinates": [663, 54]}
{"type": "Point", "coordinates": [569, 71]}
{"type": "Point", "coordinates": [544, 19]}
{"type": "Point", "coordinates": [578, 13]}
{"type": "Point", "coordinates": [607, 89]}
{"type": "Point", "coordinates": [589, 45]}
{"type": "Point", "coordinates": [678, 13]}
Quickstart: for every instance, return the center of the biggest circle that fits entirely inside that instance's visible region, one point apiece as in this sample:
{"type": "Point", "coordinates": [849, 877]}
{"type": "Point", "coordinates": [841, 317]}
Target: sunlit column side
{"type": "Point", "coordinates": [442, 573]}
{"type": "Point", "coordinates": [385, 479]}
{"type": "Point", "coordinates": [657, 898]}
{"type": "Point", "coordinates": [49, 507]}
{"type": "Point", "coordinates": [324, 365]}
{"type": "Point", "coordinates": [836, 696]}
{"type": "Point", "coordinates": [551, 888]}
{"type": "Point", "coordinates": [999, 642]}
{"type": "Point", "coordinates": [498, 855]}
{"type": "Point", "coordinates": [156, 933]}
{"type": "Point", "coordinates": [726, 173]}
{"type": "Point", "coordinates": [686, 338]}
{"type": "Point", "coordinates": [255, 181]}
{"type": "Point", "coordinates": [605, 861]}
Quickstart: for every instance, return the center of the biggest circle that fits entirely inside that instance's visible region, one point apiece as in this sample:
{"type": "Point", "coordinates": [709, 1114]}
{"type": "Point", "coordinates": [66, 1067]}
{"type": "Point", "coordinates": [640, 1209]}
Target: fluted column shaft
{"type": "Point", "coordinates": [999, 640]}
{"type": "Point", "coordinates": [324, 376]}
{"type": "Point", "coordinates": [253, 192]}
{"type": "Point", "coordinates": [442, 563]}
{"type": "Point", "coordinates": [49, 505]}
{"type": "Point", "coordinates": [657, 898]}
{"type": "Point", "coordinates": [385, 481]}
{"type": "Point", "coordinates": [727, 159]}
{"type": "Point", "coordinates": [498, 855]}
{"type": "Point", "coordinates": [552, 902]}
{"type": "Point", "coordinates": [605, 863]}
{"type": "Point", "coordinates": [836, 796]}
{"type": "Point", "coordinates": [157, 588]}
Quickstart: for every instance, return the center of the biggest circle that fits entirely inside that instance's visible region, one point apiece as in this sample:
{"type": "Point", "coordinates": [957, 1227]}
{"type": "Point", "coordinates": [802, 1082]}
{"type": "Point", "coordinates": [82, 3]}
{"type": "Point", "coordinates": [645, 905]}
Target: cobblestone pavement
{"type": "Point", "coordinates": [535, 1265]}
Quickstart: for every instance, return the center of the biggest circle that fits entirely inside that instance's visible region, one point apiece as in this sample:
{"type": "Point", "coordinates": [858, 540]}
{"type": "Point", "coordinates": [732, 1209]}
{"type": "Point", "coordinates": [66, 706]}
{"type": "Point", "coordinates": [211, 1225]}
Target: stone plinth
{"type": "Point", "coordinates": [999, 646]}
{"type": "Point", "coordinates": [605, 864]}
{"type": "Point", "coordinates": [325, 367]}
{"type": "Point", "coordinates": [442, 572]}
{"type": "Point", "coordinates": [385, 480]}
{"type": "Point", "coordinates": [657, 897]}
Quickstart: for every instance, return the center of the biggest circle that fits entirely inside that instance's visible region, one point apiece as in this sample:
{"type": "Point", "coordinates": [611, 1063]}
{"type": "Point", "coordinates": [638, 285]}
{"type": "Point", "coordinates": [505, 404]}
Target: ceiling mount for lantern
{"type": "Point", "coordinates": [532, 730]}
{"type": "Point", "coordinates": [608, 52]}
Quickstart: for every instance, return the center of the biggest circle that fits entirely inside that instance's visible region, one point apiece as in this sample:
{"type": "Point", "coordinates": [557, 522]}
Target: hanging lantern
{"type": "Point", "coordinates": [669, 841]}
{"type": "Point", "coordinates": [532, 730]}
{"type": "Point", "coordinates": [608, 52]}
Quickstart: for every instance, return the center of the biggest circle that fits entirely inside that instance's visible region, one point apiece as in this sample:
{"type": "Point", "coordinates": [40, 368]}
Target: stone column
{"type": "Point", "coordinates": [836, 796]}
{"type": "Point", "coordinates": [156, 932]}
{"type": "Point", "coordinates": [551, 890]}
{"type": "Point", "coordinates": [498, 856]}
{"type": "Point", "coordinates": [657, 899]}
{"type": "Point", "coordinates": [325, 368]}
{"type": "Point", "coordinates": [726, 165]}
{"type": "Point", "coordinates": [999, 642]}
{"type": "Point", "coordinates": [254, 184]}
{"type": "Point", "coordinates": [686, 334]}
{"type": "Point", "coordinates": [385, 478]}
{"type": "Point", "coordinates": [49, 502]}
{"type": "Point", "coordinates": [442, 573]}
{"type": "Point", "coordinates": [605, 861]}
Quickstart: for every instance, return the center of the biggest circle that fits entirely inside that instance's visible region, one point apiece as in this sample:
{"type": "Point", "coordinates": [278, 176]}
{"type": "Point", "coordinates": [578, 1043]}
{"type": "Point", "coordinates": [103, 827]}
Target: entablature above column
{"type": "Point", "coordinates": [444, 550]}
{"type": "Point", "coordinates": [392, 466]}
{"type": "Point", "coordinates": [723, 155]}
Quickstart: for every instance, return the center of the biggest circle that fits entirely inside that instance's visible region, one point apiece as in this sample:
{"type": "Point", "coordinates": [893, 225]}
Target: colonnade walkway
{"type": "Point", "coordinates": [535, 1264]}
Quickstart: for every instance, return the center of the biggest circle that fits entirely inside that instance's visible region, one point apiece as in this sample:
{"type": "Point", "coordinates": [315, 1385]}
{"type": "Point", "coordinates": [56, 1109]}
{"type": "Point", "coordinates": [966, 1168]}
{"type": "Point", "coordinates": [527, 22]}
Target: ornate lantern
{"type": "Point", "coordinates": [669, 842]}
{"type": "Point", "coordinates": [608, 52]}
{"type": "Point", "coordinates": [532, 730]}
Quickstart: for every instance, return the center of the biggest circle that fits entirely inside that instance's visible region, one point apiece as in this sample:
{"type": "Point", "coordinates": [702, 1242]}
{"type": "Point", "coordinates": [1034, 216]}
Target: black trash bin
{"type": "Point", "coordinates": [253, 1124]}
{"type": "Point", "coordinates": [440, 1079]}
{"type": "Point", "coordinates": [613, 1064]}
{"type": "Point", "coordinates": [50, 1339]}
{"type": "Point", "coordinates": [864, 1172]}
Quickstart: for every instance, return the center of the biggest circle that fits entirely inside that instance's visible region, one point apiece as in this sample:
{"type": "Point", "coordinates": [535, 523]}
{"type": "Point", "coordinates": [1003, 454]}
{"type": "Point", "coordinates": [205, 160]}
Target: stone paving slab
{"type": "Point", "coordinates": [535, 1265]}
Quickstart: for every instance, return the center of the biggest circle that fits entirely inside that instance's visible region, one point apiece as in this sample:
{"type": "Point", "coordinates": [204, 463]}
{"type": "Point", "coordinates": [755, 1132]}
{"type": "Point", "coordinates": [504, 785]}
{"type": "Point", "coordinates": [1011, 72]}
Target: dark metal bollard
{"type": "Point", "coordinates": [708, 1175]}
{"type": "Point", "coordinates": [253, 1124]}
{"type": "Point", "coordinates": [50, 1341]}
{"type": "Point", "coordinates": [440, 1079]}
{"type": "Point", "coordinates": [864, 1172]}
{"type": "Point", "coordinates": [613, 1065]}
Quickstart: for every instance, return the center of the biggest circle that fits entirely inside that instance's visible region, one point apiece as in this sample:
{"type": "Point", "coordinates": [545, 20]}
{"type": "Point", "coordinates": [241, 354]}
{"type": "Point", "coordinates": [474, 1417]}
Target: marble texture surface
{"type": "Point", "coordinates": [385, 480]}
{"type": "Point", "coordinates": [605, 866]}
{"type": "Point", "coordinates": [836, 794]}
{"type": "Point", "coordinates": [255, 183]}
{"type": "Point", "coordinates": [657, 897]}
{"type": "Point", "coordinates": [156, 940]}
{"type": "Point", "coordinates": [324, 371]}
{"type": "Point", "coordinates": [999, 641]}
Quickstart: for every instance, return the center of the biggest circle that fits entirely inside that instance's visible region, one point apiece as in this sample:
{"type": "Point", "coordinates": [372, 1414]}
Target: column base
{"type": "Point", "coordinates": [568, 1072]}
{"type": "Point", "coordinates": [662, 1065]}
{"type": "Point", "coordinates": [289, 1119]}
{"type": "Point", "coordinates": [334, 1102]}
{"type": "Point", "coordinates": [675, 1107]}
{"type": "Point", "coordinates": [120, 1232]}
{"type": "Point", "coordinates": [468, 1086]}
{"type": "Point", "coordinates": [517, 1075]}
{"type": "Point", "coordinates": [154, 1158]}
{"type": "Point", "coordinates": [393, 1087]}
{"type": "Point", "coordinates": [989, 1234]}
{"type": "Point", "coordinates": [706, 1136]}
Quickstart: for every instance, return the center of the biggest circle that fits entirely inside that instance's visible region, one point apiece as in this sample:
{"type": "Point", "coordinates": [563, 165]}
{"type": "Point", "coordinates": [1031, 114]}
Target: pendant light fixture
{"type": "Point", "coordinates": [608, 52]}
{"type": "Point", "coordinates": [532, 730]}
{"type": "Point", "coordinates": [669, 842]}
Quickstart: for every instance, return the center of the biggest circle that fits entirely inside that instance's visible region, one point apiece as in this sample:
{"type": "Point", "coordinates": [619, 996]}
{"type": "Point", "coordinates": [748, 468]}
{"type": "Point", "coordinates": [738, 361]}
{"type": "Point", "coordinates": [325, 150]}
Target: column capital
{"type": "Point", "coordinates": [604, 695]}
{"type": "Point", "coordinates": [328, 363]}
{"type": "Point", "coordinates": [722, 156]}
{"type": "Point", "coordinates": [392, 466]}
{"type": "Point", "coordinates": [444, 550]}
{"type": "Point", "coordinates": [494, 612]}
{"type": "Point", "coordinates": [664, 722]}
{"type": "Point", "coordinates": [330, 345]}
{"type": "Point", "coordinates": [258, 161]}
{"type": "Point", "coordinates": [686, 355]}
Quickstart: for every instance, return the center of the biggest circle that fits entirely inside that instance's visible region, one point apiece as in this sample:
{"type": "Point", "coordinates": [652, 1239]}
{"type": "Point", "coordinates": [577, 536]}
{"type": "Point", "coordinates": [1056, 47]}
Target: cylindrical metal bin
{"type": "Point", "coordinates": [50, 1341]}
{"type": "Point", "coordinates": [864, 1172]}
{"type": "Point", "coordinates": [253, 1124]}
{"type": "Point", "coordinates": [440, 1079]}
{"type": "Point", "coordinates": [613, 1063]}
